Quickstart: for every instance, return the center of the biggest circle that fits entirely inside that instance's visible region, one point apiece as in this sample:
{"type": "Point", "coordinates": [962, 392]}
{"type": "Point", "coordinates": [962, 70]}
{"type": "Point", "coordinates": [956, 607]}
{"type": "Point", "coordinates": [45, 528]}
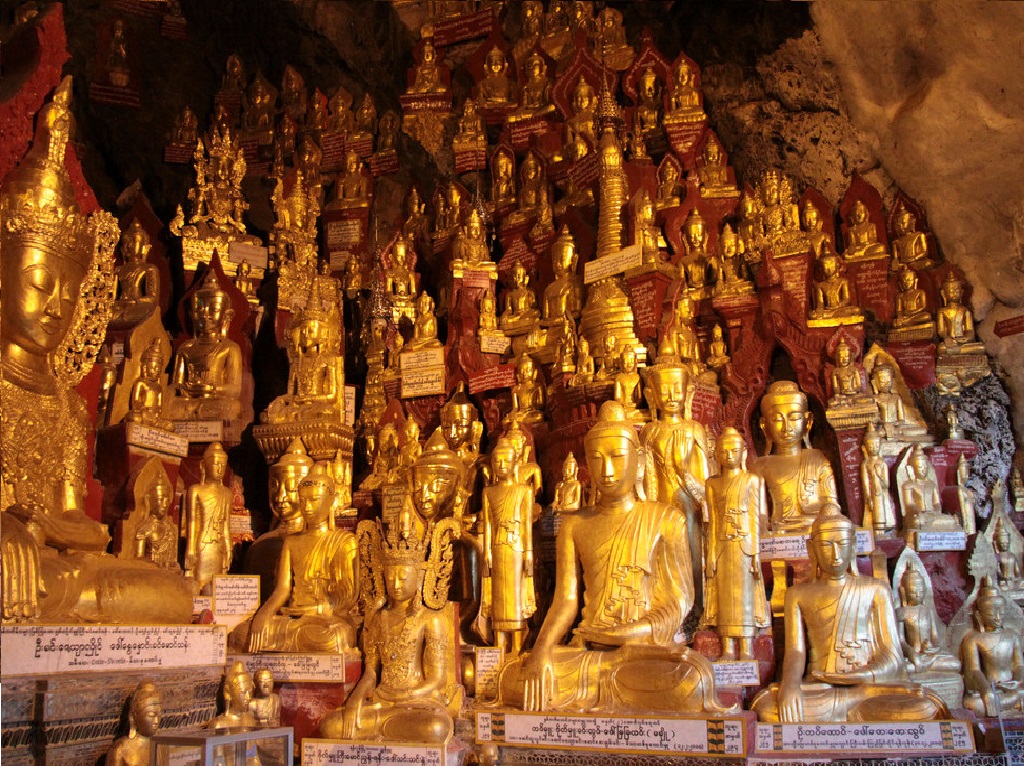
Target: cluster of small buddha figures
{"type": "Point", "coordinates": [660, 511]}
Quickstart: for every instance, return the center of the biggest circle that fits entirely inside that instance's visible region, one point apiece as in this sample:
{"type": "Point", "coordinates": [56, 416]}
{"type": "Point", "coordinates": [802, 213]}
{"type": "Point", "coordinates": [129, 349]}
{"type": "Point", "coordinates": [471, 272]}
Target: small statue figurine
{"type": "Point", "coordinates": [993, 658]}
{"type": "Point", "coordinates": [637, 585]}
{"type": "Point", "coordinates": [966, 497]}
{"type": "Point", "coordinates": [236, 696]}
{"type": "Point", "coordinates": [207, 520]}
{"type": "Point", "coordinates": [528, 395]}
{"type": "Point", "coordinates": [503, 182]}
{"type": "Point", "coordinates": [912, 320]}
{"type": "Point", "coordinates": [879, 510]}
{"type": "Point", "coordinates": [186, 128]}
{"type": "Point", "coordinates": [507, 521]}
{"type": "Point", "coordinates": [646, 233]}
{"type": "Point", "coordinates": [564, 296]}
{"type": "Point", "coordinates": [536, 90]}
{"type": "Point", "coordinates": [832, 300]}
{"type": "Point", "coordinates": [428, 74]}
{"type": "Point", "coordinates": [629, 386]}
{"type": "Point", "coordinates": [366, 119]}
{"type": "Point", "coordinates": [581, 124]}
{"type": "Point", "coordinates": [862, 236]}
{"type": "Point", "coordinates": [1017, 483]}
{"type": "Point", "coordinates": [246, 283]}
{"type": "Point", "coordinates": [1008, 561]}
{"type": "Point", "coordinates": [496, 89]}
{"type": "Point", "coordinates": [408, 690]}
{"type": "Point", "coordinates": [737, 508]}
{"type": "Point", "coordinates": [919, 497]}
{"type": "Point", "coordinates": [352, 189]}
{"type": "Point", "coordinates": [847, 377]}
{"type": "Point", "coordinates": [568, 492]}
{"type": "Point", "coordinates": [615, 52]}
{"type": "Point", "coordinates": [411, 447]}
{"type": "Point", "coordinates": [145, 403]}
{"type": "Point", "coordinates": [685, 99]}
{"type": "Point", "coordinates": [920, 630]}
{"type": "Point", "coordinates": [138, 280]}
{"type": "Point", "coordinates": [899, 419]}
{"type": "Point", "coordinates": [472, 133]}
{"type": "Point", "coordinates": [718, 354]}
{"type": "Point", "coordinates": [293, 93]}
{"type": "Point", "coordinates": [520, 302]}
{"type": "Point", "coordinates": [910, 246]}
{"type": "Point", "coordinates": [584, 364]}
{"type": "Point", "coordinates": [144, 710]}
{"type": "Point", "coordinates": [313, 605]}
{"type": "Point", "coordinates": [265, 705]}
{"type": "Point", "coordinates": [843, 656]}
{"type": "Point", "coordinates": [469, 246]}
{"type": "Point", "coordinates": [670, 189]}
{"type": "Point", "coordinates": [424, 333]}
{"type": "Point", "coordinates": [821, 242]}
{"type": "Point", "coordinates": [207, 372]}
{"type": "Point", "coordinates": [732, 276]}
{"type": "Point", "coordinates": [713, 175]}
{"type": "Point", "coordinates": [649, 108]}
{"type": "Point", "coordinates": [156, 537]}
{"type": "Point", "coordinates": [799, 477]}
{"type": "Point", "coordinates": [955, 321]}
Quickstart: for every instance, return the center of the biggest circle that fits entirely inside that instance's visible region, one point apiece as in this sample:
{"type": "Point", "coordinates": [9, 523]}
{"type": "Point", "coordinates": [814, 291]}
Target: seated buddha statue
{"type": "Point", "coordinates": [469, 247]}
{"type": "Point", "coordinates": [629, 386]}
{"type": "Point", "coordinates": [146, 400]}
{"type": "Point", "coordinates": [955, 322]}
{"type": "Point", "coordinates": [488, 312]}
{"type": "Point", "coordinates": [646, 233]}
{"type": "Point", "coordinates": [910, 246]}
{"type": "Point", "coordinates": [313, 607]}
{"type": "Point", "coordinates": [799, 478]}
{"type": "Point", "coordinates": [207, 374]}
{"type": "Point", "coordinates": [650, 106]}
{"type": "Point", "coordinates": [861, 235]}
{"type": "Point", "coordinates": [899, 419]}
{"type": "Point", "coordinates": [919, 497]}
{"type": "Point", "coordinates": [428, 74]}
{"type": "Point", "coordinates": [472, 133]}
{"type": "Point", "coordinates": [821, 241]}
{"type": "Point", "coordinates": [718, 353]}
{"type": "Point", "coordinates": [424, 331]}
{"type": "Point", "coordinates": [400, 281]}
{"type": "Point", "coordinates": [992, 654]}
{"type": "Point", "coordinates": [366, 119]}
{"type": "Point", "coordinates": [920, 630]}
{"type": "Point", "coordinates": [581, 124]}
{"type": "Point", "coordinates": [565, 293]}
{"type": "Point", "coordinates": [352, 189]}
{"type": "Point", "coordinates": [670, 189]}
{"type": "Point", "coordinates": [258, 108]}
{"type": "Point", "coordinates": [684, 100]}
{"type": "Point", "coordinates": [144, 710]}
{"type": "Point", "coordinates": [528, 394]}
{"type": "Point", "coordinates": [520, 302]}
{"type": "Point", "coordinates": [630, 559]}
{"type": "Point", "coordinates": [847, 378]}
{"type": "Point", "coordinates": [832, 300]}
{"type": "Point", "coordinates": [732, 276]}
{"type": "Point", "coordinates": [912, 305]}
{"type": "Point", "coordinates": [535, 98]}
{"type": "Point", "coordinates": [611, 40]}
{"type": "Point", "coordinates": [503, 180]}
{"type": "Point", "coordinates": [139, 281]}
{"type": "Point", "coordinates": [52, 561]}
{"type": "Point", "coordinates": [496, 88]}
{"type": "Point", "coordinates": [843, 658]}
{"type": "Point", "coordinates": [713, 175]}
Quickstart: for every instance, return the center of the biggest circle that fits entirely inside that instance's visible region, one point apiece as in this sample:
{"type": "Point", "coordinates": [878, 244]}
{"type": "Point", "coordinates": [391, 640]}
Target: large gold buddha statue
{"type": "Point", "coordinates": [637, 585]}
{"type": "Point", "coordinates": [58, 283]}
{"type": "Point", "coordinates": [799, 478]}
{"type": "Point", "coordinates": [843, 660]}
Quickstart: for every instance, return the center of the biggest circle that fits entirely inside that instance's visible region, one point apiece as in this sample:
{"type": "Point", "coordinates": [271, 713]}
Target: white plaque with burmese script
{"type": "Point", "coordinates": [938, 737]}
{"type": "Point", "coordinates": [328, 752]}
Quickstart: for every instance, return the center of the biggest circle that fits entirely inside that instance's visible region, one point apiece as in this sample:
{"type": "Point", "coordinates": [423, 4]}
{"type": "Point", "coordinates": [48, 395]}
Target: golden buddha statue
{"type": "Point", "coordinates": [259, 108]}
{"type": "Point", "coordinates": [694, 264]}
{"type": "Point", "coordinates": [910, 246]}
{"type": "Point", "coordinates": [411, 447]}
{"type": "Point", "coordinates": [424, 331]}
{"type": "Point", "coordinates": [428, 74]}
{"type": "Point", "coordinates": [386, 458]}
{"type": "Point", "coordinates": [58, 276]}
{"type": "Point", "coordinates": [533, 185]}
{"type": "Point", "coordinates": [156, 536]}
{"type": "Point", "coordinates": [734, 595]}
{"type": "Point", "coordinates": [832, 305]}
{"type": "Point", "coordinates": [629, 387]}
{"type": "Point", "coordinates": [208, 507]}
{"type": "Point", "coordinates": [684, 100]}
{"type": "Point", "coordinates": [145, 404]}
{"type": "Point", "coordinates": [992, 655]}
{"type": "Point", "coordinates": [528, 394]}
{"type": "Point", "coordinates": [207, 374]}
{"type": "Point", "coordinates": [472, 133]}
{"type": "Point", "coordinates": [732, 276]}
{"type": "Point", "coordinates": [879, 510]}
{"type": "Point", "coordinates": [912, 320]}
{"type": "Point", "coordinates": [313, 605]}
{"type": "Point", "coordinates": [293, 94]}
{"type": "Point", "coordinates": [506, 522]}
{"type": "Point", "coordinates": [535, 99]}
{"type": "Point", "coordinates": [678, 452]}
{"type": "Point", "coordinates": [955, 322]}
{"type": "Point", "coordinates": [680, 343]}
{"type": "Point", "coordinates": [352, 189]}
{"type": "Point", "coordinates": [469, 246]}
{"type": "Point", "coordinates": [799, 477]}
{"type": "Point", "coordinates": [584, 364]}
{"type": "Point", "coordinates": [265, 704]}
{"type": "Point", "coordinates": [503, 182]}
{"type": "Point", "coordinates": [777, 223]}
{"type": "Point", "coordinates": [521, 310]}
{"type": "Point", "coordinates": [919, 497]}
{"type": "Point", "coordinates": [246, 283]}
{"type": "Point", "coordinates": [651, 103]}
{"type": "Point", "coordinates": [139, 281]}
{"type": "Point", "coordinates": [581, 123]}
{"type": "Point", "coordinates": [841, 636]}
{"type": "Point", "coordinates": [564, 296]}
{"type": "Point", "coordinates": [340, 118]}
{"type": "Point", "coordinates": [615, 52]}
{"type": "Point", "coordinates": [862, 236]}
{"type": "Point", "coordinates": [608, 362]}
{"type": "Point", "coordinates": [365, 119]}
{"type": "Point", "coordinates": [718, 353]}
{"type": "Point", "coordinates": [637, 585]}
{"type": "Point", "coordinates": [144, 711]}
{"type": "Point", "coordinates": [670, 189]}
{"type": "Point", "coordinates": [821, 242]}
{"type": "Point", "coordinates": [646, 233]}
{"type": "Point", "coordinates": [921, 631]}
{"type": "Point", "coordinates": [496, 88]}
{"type": "Point", "coordinates": [400, 281]}
{"type": "Point", "coordinates": [1008, 560]}
{"type": "Point", "coordinates": [236, 695]}
{"type": "Point", "coordinates": [568, 497]}
{"type": "Point", "coordinates": [966, 497]}
{"type": "Point", "coordinates": [897, 416]}
{"type": "Point", "coordinates": [713, 175]}
{"type": "Point", "coordinates": [847, 379]}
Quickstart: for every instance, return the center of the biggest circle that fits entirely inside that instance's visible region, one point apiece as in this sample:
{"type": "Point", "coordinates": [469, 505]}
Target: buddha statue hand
{"type": "Point", "coordinates": [352, 714]}
{"type": "Point", "coordinates": [20, 579]}
{"type": "Point", "coordinates": [539, 683]}
{"type": "Point", "coordinates": [791, 703]}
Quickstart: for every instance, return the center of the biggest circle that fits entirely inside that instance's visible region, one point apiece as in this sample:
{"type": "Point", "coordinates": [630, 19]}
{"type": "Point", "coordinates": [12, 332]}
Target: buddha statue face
{"type": "Point", "coordinates": [731, 450]}
{"type": "Point", "coordinates": [694, 230]}
{"type": "Point", "coordinates": [612, 459]}
{"type": "Point", "coordinates": [952, 291]}
{"type": "Point", "coordinates": [311, 333]}
{"type": "Point", "coordinates": [496, 63]}
{"type": "Point", "coordinates": [843, 355]}
{"type": "Point", "coordinates": [920, 463]}
{"type": "Point", "coordinates": [316, 498]}
{"type": "Point", "coordinates": [858, 213]}
{"type": "Point", "coordinates": [990, 611]}
{"type": "Point", "coordinates": [209, 312]}
{"type": "Point", "coordinates": [832, 545]}
{"type": "Point", "coordinates": [215, 462]}
{"type": "Point", "coordinates": [716, 333]}
{"type": "Point", "coordinates": [159, 498]}
{"type": "Point", "coordinates": [583, 97]}
{"type": "Point", "coordinates": [429, 53]}
{"type": "Point", "coordinates": [905, 222]}
{"type": "Point", "coordinates": [526, 372]}
{"type": "Point", "coordinates": [668, 385]}
{"type": "Point", "coordinates": [908, 280]}
{"type": "Point", "coordinates": [402, 581]}
{"type": "Point", "coordinates": [503, 166]}
{"type": "Point", "coordinates": [872, 443]}
{"type": "Point", "coordinates": [425, 305]}
{"type": "Point", "coordinates": [535, 68]}
{"type": "Point", "coordinates": [487, 304]}
{"type": "Point", "coordinates": [264, 681]}
{"type": "Point", "coordinates": [562, 255]}
{"type": "Point", "coordinates": [41, 289]}
{"type": "Point", "coordinates": [629, 360]}
{"type": "Point", "coordinates": [570, 468]}
{"type": "Point", "coordinates": [684, 75]}
{"type": "Point", "coordinates": [785, 418]}
{"type": "Point", "coordinates": [1001, 539]}
{"type": "Point", "coordinates": [135, 243]}
{"type": "Point", "coordinates": [456, 425]}
{"type": "Point", "coordinates": [882, 379]}
{"type": "Point", "coordinates": [669, 175]}
{"type": "Point", "coordinates": [503, 461]}
{"type": "Point", "coordinates": [238, 690]}
{"type": "Point", "coordinates": [433, 488]}
{"type": "Point", "coordinates": [811, 218]}
{"type": "Point", "coordinates": [474, 229]}
{"type": "Point", "coordinates": [531, 168]}
{"type": "Point", "coordinates": [284, 488]}
{"type": "Point", "coordinates": [912, 588]}
{"type": "Point", "coordinates": [146, 710]}
{"type": "Point", "coordinates": [648, 86]}
{"type": "Point", "coordinates": [713, 154]}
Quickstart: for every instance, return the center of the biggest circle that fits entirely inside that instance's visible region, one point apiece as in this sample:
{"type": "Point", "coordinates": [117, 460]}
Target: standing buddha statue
{"type": "Point", "coordinates": [207, 520]}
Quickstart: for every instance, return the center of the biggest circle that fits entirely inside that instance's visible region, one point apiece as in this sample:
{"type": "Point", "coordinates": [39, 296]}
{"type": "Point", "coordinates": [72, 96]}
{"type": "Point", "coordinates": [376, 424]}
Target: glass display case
{"type": "Point", "coordinates": [226, 747]}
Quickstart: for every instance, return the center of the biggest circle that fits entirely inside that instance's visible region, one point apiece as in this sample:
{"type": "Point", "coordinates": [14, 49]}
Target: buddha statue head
{"type": "Point", "coordinates": [53, 256]}
{"type": "Point", "coordinates": [612, 448]}
{"type": "Point", "coordinates": [833, 543]}
{"type": "Point", "coordinates": [316, 496]}
{"type": "Point", "coordinates": [264, 682]}
{"type": "Point", "coordinates": [210, 308]}
{"type": "Point", "coordinates": [570, 468]}
{"type": "Point", "coordinates": [871, 444]}
{"type": "Point", "coordinates": [648, 87]}
{"type": "Point", "coordinates": [238, 688]}
{"type": "Point", "coordinates": [843, 353]}
{"type": "Point", "coordinates": [666, 386]}
{"type": "Point", "coordinates": [989, 606]}
{"type": "Point", "coordinates": [695, 230]}
{"type": "Point", "coordinates": [858, 213]}
{"type": "Point", "coordinates": [563, 253]}
{"type": "Point", "coordinates": [215, 463]}
{"type": "Point", "coordinates": [457, 417]}
{"type": "Point", "coordinates": [712, 154]}
{"type": "Point", "coordinates": [436, 477]}
{"type": "Point", "coordinates": [285, 476]}
{"type": "Point", "coordinates": [785, 418]}
{"type": "Point", "coordinates": [913, 587]}
{"type": "Point", "coordinates": [583, 98]}
{"type": "Point", "coordinates": [135, 245]}
{"type": "Point", "coordinates": [144, 711]}
{"type": "Point", "coordinates": [952, 289]}
{"type": "Point", "coordinates": [495, 64]}
{"type": "Point", "coordinates": [731, 449]}
{"type": "Point", "coordinates": [729, 243]}
{"type": "Point", "coordinates": [811, 218]}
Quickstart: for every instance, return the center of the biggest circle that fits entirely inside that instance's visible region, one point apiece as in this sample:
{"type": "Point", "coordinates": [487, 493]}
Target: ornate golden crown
{"type": "Point", "coordinates": [401, 547]}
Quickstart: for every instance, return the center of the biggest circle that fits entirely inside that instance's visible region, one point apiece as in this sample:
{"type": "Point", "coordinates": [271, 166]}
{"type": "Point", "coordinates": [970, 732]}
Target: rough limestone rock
{"type": "Point", "coordinates": [935, 90]}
